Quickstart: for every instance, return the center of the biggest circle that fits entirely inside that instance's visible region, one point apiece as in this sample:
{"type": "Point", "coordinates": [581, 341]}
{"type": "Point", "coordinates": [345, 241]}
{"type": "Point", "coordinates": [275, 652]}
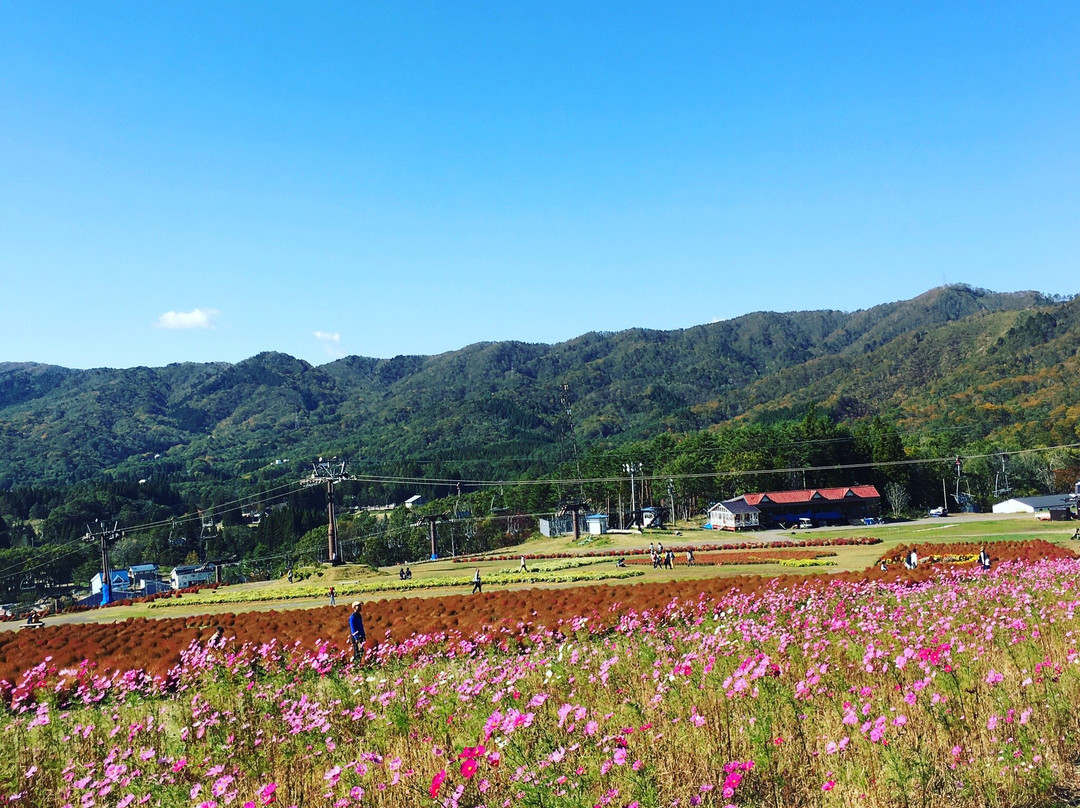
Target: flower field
{"type": "Point", "coordinates": [941, 685]}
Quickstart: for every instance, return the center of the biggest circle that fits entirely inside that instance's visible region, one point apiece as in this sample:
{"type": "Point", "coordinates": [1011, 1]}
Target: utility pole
{"type": "Point", "coordinates": [331, 474]}
{"type": "Point", "coordinates": [103, 537]}
{"type": "Point", "coordinates": [631, 469]}
{"type": "Point", "coordinates": [671, 501]}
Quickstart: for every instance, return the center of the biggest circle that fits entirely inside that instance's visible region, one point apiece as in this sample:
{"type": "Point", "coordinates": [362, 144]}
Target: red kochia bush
{"type": "Point", "coordinates": [1034, 550]}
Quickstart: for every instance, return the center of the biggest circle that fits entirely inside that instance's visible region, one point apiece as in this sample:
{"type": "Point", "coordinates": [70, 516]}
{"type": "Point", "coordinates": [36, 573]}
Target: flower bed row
{"type": "Point", "coordinates": [745, 557]}
{"type": "Point", "coordinates": [968, 551]}
{"type": "Point", "coordinates": [744, 545]}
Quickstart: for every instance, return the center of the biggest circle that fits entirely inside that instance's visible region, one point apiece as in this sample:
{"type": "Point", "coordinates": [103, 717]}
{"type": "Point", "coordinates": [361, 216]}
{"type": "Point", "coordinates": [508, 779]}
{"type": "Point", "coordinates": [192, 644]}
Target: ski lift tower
{"type": "Point", "coordinates": [1001, 478]}
{"type": "Point", "coordinates": [103, 536]}
{"type": "Point", "coordinates": [574, 509]}
{"type": "Point", "coordinates": [430, 520]}
{"type": "Point", "coordinates": [329, 474]}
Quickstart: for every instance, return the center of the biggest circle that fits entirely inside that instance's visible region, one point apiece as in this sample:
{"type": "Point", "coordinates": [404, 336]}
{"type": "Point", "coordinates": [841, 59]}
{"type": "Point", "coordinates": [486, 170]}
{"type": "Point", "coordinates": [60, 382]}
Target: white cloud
{"type": "Point", "coordinates": [331, 342]}
{"type": "Point", "coordinates": [196, 318]}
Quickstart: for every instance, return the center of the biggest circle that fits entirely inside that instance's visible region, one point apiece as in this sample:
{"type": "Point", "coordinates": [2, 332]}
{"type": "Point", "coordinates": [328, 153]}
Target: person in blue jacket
{"type": "Point", "coordinates": [356, 630]}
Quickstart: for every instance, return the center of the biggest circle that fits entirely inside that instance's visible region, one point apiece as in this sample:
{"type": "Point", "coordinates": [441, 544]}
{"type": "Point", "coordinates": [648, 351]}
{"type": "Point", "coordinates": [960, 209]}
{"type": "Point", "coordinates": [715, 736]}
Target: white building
{"type": "Point", "coordinates": [191, 574]}
{"type": "Point", "coordinates": [1053, 502]}
{"type": "Point", "coordinates": [733, 514]}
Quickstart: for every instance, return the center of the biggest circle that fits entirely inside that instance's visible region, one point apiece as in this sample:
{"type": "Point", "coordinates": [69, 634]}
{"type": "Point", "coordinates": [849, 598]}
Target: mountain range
{"type": "Point", "coordinates": [986, 365]}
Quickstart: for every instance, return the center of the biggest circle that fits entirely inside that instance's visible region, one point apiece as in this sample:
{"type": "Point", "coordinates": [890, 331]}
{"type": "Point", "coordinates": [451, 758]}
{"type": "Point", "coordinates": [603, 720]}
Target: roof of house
{"type": "Point", "coordinates": [188, 569]}
{"type": "Point", "coordinates": [1049, 501]}
{"type": "Point", "coordinates": [737, 505]}
{"type": "Point", "coordinates": [813, 495]}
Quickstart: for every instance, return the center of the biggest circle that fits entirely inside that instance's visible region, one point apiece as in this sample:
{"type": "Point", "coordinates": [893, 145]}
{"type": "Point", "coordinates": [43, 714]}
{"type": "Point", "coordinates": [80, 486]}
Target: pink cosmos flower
{"type": "Point", "coordinates": [267, 793]}
{"type": "Point", "coordinates": [436, 783]}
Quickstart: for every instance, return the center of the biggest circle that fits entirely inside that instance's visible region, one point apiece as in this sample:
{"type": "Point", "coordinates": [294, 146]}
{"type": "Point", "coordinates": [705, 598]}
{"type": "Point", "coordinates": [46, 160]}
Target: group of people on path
{"type": "Point", "coordinates": [665, 559]}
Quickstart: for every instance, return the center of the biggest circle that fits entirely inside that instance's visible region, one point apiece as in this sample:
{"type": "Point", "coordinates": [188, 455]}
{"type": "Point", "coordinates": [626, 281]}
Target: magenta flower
{"type": "Point", "coordinates": [267, 793]}
{"type": "Point", "coordinates": [436, 783]}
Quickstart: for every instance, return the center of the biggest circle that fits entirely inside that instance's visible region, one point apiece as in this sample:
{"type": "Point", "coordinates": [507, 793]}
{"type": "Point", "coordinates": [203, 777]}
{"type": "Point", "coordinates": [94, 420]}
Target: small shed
{"type": "Point", "coordinates": [597, 524]}
{"type": "Point", "coordinates": [415, 501]}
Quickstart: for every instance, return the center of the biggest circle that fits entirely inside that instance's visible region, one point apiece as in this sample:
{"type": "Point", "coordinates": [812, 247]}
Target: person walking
{"type": "Point", "coordinates": [476, 583]}
{"type": "Point", "coordinates": [523, 568]}
{"type": "Point", "coordinates": [333, 597]}
{"type": "Point", "coordinates": [357, 635]}
{"type": "Point", "coordinates": [984, 558]}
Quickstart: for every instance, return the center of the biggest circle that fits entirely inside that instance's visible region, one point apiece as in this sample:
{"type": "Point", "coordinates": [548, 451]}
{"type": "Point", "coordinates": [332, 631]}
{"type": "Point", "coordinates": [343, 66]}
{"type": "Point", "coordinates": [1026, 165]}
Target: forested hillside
{"type": "Point", "coordinates": [992, 364]}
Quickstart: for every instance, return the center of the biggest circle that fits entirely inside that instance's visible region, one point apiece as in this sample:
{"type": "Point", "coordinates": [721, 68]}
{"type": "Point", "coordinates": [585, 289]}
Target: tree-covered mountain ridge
{"type": "Point", "coordinates": [991, 365]}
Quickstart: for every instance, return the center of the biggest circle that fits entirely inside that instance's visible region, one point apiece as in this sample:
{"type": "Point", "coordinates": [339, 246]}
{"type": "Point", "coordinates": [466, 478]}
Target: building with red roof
{"type": "Point", "coordinates": [785, 508]}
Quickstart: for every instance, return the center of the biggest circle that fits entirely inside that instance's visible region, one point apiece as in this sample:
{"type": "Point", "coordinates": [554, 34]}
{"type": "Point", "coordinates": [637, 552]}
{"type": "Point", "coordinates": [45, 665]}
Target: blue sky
{"type": "Point", "coordinates": [205, 181]}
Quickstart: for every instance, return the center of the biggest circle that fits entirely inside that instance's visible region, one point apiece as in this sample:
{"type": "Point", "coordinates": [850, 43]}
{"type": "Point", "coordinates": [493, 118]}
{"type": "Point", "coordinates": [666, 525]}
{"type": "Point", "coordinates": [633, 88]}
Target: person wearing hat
{"type": "Point", "coordinates": [356, 630]}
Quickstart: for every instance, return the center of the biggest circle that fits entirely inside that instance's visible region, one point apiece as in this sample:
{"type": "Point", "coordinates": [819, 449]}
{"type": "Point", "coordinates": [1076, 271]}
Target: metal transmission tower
{"type": "Point", "coordinates": [103, 536]}
{"type": "Point", "coordinates": [329, 474]}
